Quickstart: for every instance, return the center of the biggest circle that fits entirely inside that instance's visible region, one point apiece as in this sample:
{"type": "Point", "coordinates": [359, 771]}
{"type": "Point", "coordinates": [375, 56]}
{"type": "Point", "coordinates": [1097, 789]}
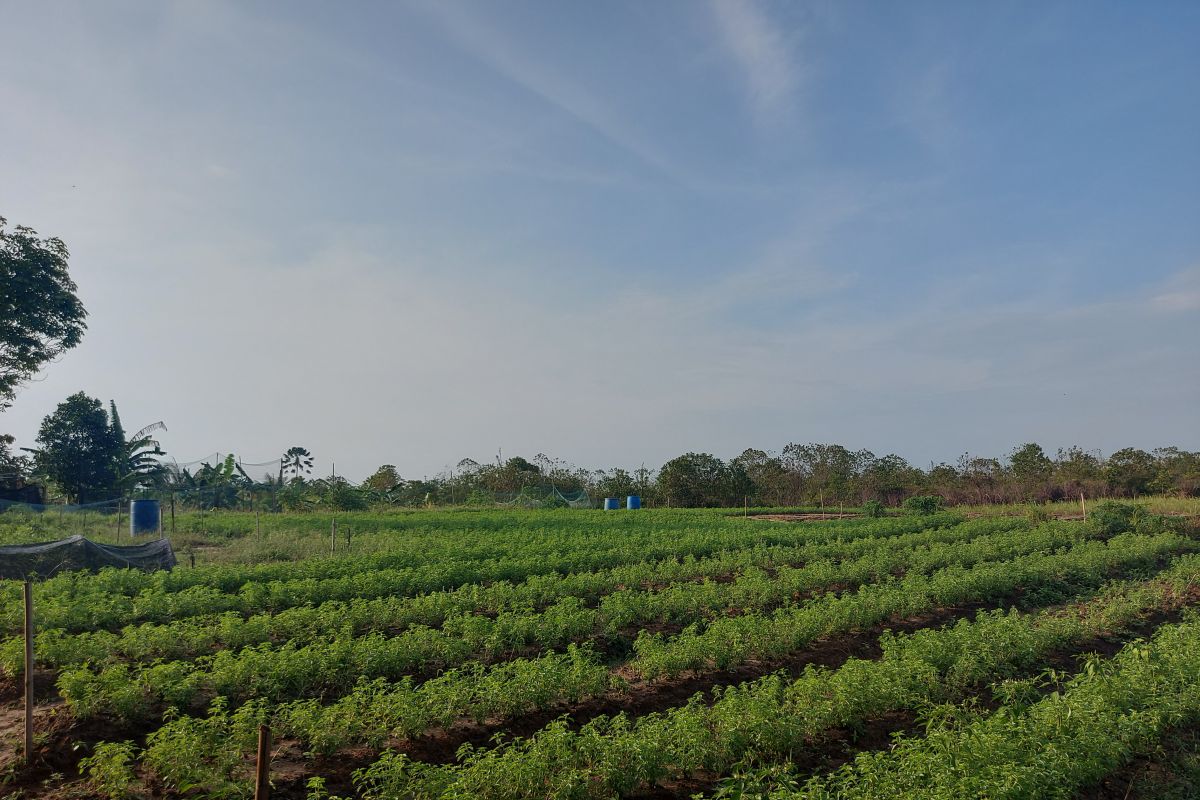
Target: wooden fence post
{"type": "Point", "coordinates": [28, 671]}
{"type": "Point", "coordinates": [262, 768]}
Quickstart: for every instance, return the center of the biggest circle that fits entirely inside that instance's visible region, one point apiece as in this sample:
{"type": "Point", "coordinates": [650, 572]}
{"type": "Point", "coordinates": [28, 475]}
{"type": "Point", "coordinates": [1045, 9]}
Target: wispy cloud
{"type": "Point", "coordinates": [761, 51]}
{"type": "Point", "coordinates": [1180, 293]}
{"type": "Point", "coordinates": [496, 49]}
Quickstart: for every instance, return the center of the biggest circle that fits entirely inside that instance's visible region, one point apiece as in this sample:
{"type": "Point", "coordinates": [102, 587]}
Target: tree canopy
{"type": "Point", "coordinates": [40, 316]}
{"type": "Point", "coordinates": [80, 449]}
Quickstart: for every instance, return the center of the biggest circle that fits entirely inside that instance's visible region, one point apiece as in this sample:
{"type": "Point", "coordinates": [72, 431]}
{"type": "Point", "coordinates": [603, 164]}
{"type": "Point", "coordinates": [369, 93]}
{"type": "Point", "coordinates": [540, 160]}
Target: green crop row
{"type": "Point", "coordinates": [730, 641]}
{"type": "Point", "coordinates": [115, 598]}
{"type": "Point", "coordinates": [332, 666]}
{"type": "Point", "coordinates": [1103, 717]}
{"type": "Point", "coordinates": [609, 757]}
{"type": "Point", "coordinates": [189, 637]}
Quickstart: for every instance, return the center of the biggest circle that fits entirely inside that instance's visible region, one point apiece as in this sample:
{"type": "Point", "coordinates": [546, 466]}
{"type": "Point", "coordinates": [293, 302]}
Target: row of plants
{"type": "Point", "coordinates": [730, 641]}
{"type": "Point", "coordinates": [189, 637]}
{"type": "Point", "coordinates": [331, 666]}
{"type": "Point", "coordinates": [115, 598]}
{"type": "Point", "coordinates": [376, 711]}
{"type": "Point", "coordinates": [1054, 747]}
{"type": "Point", "coordinates": [748, 724]}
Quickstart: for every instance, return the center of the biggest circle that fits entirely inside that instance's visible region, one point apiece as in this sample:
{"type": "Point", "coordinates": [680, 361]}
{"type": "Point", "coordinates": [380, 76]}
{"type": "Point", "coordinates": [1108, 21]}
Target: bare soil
{"type": "Point", "coordinates": [802, 517]}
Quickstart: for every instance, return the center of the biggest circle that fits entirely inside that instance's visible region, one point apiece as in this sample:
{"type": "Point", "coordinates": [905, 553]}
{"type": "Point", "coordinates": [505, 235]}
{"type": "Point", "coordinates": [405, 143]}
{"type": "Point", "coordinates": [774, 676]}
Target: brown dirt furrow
{"type": "Point", "coordinates": [802, 517]}
{"type": "Point", "coordinates": [13, 688]}
{"type": "Point", "coordinates": [1171, 771]}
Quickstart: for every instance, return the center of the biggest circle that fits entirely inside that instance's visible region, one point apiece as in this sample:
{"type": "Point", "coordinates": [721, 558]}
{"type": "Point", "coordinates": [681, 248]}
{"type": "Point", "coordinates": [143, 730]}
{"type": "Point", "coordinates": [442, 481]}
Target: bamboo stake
{"type": "Point", "coordinates": [28, 671]}
{"type": "Point", "coordinates": [262, 768]}
{"type": "Point", "coordinates": [1083, 505]}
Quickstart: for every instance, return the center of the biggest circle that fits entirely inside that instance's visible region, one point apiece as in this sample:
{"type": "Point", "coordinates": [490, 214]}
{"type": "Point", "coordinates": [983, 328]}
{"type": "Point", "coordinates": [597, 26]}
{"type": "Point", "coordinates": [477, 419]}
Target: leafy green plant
{"type": "Point", "coordinates": [110, 769]}
{"type": "Point", "coordinates": [923, 504]}
{"type": "Point", "coordinates": [873, 508]}
{"type": "Point", "coordinates": [1112, 517]}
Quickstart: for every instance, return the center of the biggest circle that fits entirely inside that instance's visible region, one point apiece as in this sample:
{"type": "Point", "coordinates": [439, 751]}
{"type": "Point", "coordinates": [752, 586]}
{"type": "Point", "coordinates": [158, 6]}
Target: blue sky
{"type": "Point", "coordinates": [616, 232]}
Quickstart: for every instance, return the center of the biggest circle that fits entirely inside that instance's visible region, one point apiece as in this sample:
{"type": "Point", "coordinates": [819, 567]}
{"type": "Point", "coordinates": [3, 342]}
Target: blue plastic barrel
{"type": "Point", "coordinates": [610, 504]}
{"type": "Point", "coordinates": [143, 517]}
{"type": "Point", "coordinates": [633, 502]}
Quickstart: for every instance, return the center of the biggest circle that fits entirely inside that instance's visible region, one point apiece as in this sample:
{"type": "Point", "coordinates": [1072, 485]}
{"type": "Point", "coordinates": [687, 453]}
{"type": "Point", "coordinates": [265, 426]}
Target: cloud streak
{"type": "Point", "coordinates": [552, 84]}
{"type": "Point", "coordinates": [761, 52]}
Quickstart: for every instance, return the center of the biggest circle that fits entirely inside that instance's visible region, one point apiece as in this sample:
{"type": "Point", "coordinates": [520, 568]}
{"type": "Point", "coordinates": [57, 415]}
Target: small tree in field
{"type": "Point", "coordinates": [79, 450]}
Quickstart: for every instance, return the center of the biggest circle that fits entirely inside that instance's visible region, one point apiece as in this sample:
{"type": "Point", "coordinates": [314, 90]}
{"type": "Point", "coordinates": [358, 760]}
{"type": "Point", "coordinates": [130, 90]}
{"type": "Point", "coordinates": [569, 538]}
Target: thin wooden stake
{"type": "Point", "coordinates": [28, 671]}
{"type": "Point", "coordinates": [257, 524]}
{"type": "Point", "coordinates": [333, 535]}
{"type": "Point", "coordinates": [119, 509]}
{"type": "Point", "coordinates": [172, 512]}
{"type": "Point", "coordinates": [262, 768]}
{"type": "Point", "coordinates": [1083, 505]}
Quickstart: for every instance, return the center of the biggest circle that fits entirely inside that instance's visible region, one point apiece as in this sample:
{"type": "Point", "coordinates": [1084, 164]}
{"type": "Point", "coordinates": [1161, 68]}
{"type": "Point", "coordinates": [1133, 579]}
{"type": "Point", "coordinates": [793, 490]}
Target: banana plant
{"type": "Point", "coordinates": [138, 465]}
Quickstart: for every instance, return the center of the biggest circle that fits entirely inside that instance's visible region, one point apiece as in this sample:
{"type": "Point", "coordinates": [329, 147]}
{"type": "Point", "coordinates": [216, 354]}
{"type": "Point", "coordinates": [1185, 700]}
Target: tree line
{"type": "Point", "coordinates": [85, 456]}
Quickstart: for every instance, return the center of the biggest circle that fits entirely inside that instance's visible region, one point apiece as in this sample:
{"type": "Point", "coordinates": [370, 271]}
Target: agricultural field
{"type": "Point", "coordinates": [649, 654]}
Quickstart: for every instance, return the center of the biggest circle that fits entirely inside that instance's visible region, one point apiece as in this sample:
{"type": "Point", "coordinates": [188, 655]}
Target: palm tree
{"type": "Point", "coordinates": [296, 460]}
{"type": "Point", "coordinates": [137, 457]}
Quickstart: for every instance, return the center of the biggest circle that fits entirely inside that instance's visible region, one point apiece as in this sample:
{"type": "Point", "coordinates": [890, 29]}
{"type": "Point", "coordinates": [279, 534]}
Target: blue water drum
{"type": "Point", "coordinates": [143, 517]}
{"type": "Point", "coordinates": [610, 504]}
{"type": "Point", "coordinates": [633, 502]}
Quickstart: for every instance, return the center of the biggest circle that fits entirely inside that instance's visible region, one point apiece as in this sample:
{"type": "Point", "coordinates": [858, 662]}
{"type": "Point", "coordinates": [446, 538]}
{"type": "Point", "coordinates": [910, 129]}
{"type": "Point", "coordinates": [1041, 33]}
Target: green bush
{"type": "Point", "coordinates": [1112, 517]}
{"type": "Point", "coordinates": [873, 508]}
{"type": "Point", "coordinates": [923, 504]}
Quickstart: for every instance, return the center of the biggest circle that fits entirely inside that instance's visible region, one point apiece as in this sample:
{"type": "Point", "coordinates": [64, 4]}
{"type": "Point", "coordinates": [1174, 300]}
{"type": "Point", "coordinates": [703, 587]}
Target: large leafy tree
{"type": "Point", "coordinates": [1131, 471]}
{"type": "Point", "coordinates": [826, 471]}
{"type": "Point", "coordinates": [1031, 469]}
{"type": "Point", "coordinates": [79, 450]}
{"type": "Point", "coordinates": [40, 316]}
{"type": "Point", "coordinates": [698, 479]}
{"type": "Point", "coordinates": [384, 480]}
